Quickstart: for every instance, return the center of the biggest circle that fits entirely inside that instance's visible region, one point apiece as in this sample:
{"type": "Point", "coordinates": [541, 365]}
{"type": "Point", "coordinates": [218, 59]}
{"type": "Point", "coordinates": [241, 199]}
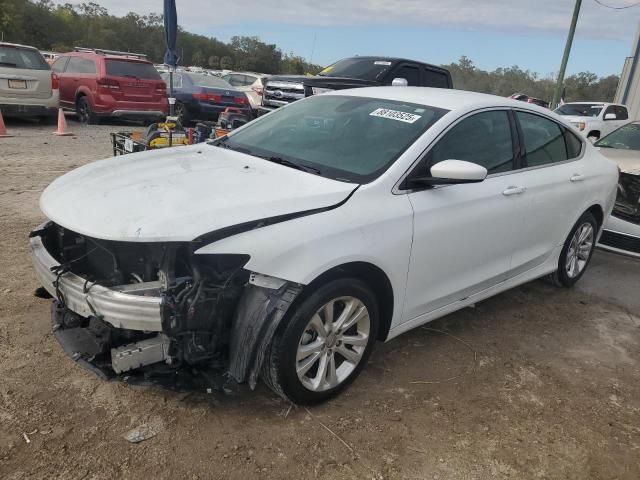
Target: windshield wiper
{"type": "Point", "coordinates": [9, 64]}
{"type": "Point", "coordinates": [274, 159]}
{"type": "Point", "coordinates": [289, 163]}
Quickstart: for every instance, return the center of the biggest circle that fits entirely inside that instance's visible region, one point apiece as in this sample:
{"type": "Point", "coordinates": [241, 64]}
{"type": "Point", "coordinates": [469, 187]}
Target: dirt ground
{"type": "Point", "coordinates": [536, 383]}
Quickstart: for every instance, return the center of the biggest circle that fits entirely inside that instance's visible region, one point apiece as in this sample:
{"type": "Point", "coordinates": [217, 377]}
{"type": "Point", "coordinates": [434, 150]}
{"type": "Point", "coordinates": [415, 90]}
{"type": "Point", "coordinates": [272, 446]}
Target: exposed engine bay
{"type": "Point", "coordinates": [213, 313]}
{"type": "Point", "coordinates": [627, 205]}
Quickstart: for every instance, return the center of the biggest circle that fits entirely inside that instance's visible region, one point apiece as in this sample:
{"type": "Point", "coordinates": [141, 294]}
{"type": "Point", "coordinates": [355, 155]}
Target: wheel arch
{"type": "Point", "coordinates": [597, 211]}
{"type": "Point", "coordinates": [374, 277]}
{"type": "Point", "coordinates": [593, 133]}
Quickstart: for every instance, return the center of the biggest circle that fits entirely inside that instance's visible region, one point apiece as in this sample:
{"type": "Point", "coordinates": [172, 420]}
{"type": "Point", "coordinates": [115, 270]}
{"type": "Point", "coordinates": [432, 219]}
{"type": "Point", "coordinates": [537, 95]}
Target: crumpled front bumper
{"type": "Point", "coordinates": [115, 306]}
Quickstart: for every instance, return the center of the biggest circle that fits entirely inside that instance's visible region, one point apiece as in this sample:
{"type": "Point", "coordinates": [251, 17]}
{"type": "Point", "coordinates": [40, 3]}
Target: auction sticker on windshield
{"type": "Point", "coordinates": [395, 115]}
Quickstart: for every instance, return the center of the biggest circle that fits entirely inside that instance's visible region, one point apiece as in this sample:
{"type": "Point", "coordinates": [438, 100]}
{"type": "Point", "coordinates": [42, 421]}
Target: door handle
{"type": "Point", "coordinates": [576, 177]}
{"type": "Point", "coordinates": [514, 191]}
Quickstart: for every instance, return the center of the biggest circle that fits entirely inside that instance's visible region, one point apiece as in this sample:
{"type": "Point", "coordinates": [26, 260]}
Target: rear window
{"type": "Point", "coordinates": [208, 81]}
{"type": "Point", "coordinates": [26, 58]}
{"type": "Point", "coordinates": [364, 68]}
{"type": "Point", "coordinates": [124, 68]}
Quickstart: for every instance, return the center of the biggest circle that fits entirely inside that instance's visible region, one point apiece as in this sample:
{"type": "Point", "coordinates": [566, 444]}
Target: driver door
{"type": "Point", "coordinates": [464, 235]}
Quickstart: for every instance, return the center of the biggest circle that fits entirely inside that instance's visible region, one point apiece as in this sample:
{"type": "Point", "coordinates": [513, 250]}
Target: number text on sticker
{"type": "Point", "coordinates": [395, 115]}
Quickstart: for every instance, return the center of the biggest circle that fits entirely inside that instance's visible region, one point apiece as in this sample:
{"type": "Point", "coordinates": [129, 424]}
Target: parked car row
{"type": "Point", "coordinates": [97, 83]}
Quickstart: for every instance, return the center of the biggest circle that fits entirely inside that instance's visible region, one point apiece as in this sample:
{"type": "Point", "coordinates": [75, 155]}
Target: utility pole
{"type": "Point", "coordinates": [565, 56]}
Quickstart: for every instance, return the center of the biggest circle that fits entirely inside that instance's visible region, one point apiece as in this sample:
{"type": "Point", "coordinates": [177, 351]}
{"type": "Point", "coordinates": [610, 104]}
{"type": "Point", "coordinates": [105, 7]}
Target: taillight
{"type": "Point", "coordinates": [257, 90]}
{"type": "Point", "coordinates": [55, 81]}
{"type": "Point", "coordinates": [207, 97]}
{"type": "Point", "coordinates": [108, 83]}
{"type": "Point", "coordinates": [240, 100]}
{"type": "Point", "coordinates": [161, 87]}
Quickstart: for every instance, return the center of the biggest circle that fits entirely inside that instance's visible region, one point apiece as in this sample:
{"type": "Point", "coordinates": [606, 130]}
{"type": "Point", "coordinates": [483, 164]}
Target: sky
{"type": "Point", "coordinates": [492, 33]}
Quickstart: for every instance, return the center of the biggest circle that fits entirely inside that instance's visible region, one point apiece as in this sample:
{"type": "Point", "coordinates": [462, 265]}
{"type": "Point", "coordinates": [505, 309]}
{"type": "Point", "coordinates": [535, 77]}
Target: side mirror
{"type": "Point", "coordinates": [399, 82]}
{"type": "Point", "coordinates": [610, 116]}
{"type": "Point", "coordinates": [451, 172]}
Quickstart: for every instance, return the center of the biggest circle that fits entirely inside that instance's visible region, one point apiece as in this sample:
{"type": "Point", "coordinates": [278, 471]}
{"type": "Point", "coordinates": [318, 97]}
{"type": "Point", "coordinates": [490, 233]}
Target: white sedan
{"type": "Point", "coordinates": [287, 248]}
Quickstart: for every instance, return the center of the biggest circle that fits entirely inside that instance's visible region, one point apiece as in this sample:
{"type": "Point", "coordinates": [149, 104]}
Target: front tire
{"type": "Point", "coordinates": [577, 251]}
{"type": "Point", "coordinates": [323, 342]}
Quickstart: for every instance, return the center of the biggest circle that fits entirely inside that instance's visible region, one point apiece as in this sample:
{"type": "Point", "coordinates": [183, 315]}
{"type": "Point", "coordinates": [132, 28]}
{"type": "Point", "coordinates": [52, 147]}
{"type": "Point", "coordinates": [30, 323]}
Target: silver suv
{"type": "Point", "coordinates": [27, 85]}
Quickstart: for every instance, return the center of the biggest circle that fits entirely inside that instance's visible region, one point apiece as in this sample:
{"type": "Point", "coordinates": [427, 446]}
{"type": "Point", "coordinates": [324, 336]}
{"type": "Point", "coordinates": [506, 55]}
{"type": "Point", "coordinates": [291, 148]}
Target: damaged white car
{"type": "Point", "coordinates": [287, 248]}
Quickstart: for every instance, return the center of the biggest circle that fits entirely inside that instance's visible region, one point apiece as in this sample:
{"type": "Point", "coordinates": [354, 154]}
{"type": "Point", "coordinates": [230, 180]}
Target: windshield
{"type": "Point", "coordinates": [363, 68]}
{"type": "Point", "coordinates": [624, 138]}
{"type": "Point", "coordinates": [208, 81]}
{"type": "Point", "coordinates": [351, 139]}
{"type": "Point", "coordinates": [580, 109]}
{"type": "Point", "coordinates": [17, 57]}
{"type": "Point", "coordinates": [124, 68]}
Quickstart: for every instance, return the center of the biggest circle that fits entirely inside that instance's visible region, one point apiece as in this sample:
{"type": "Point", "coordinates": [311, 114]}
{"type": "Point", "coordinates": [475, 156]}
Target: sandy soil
{"type": "Point", "coordinates": [535, 383]}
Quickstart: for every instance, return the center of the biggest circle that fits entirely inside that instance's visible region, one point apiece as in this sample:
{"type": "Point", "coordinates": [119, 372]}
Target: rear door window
{"type": "Point", "coordinates": [59, 64]}
{"type": "Point", "coordinates": [544, 140]}
{"type": "Point", "coordinates": [435, 79]}
{"type": "Point", "coordinates": [574, 144]}
{"type": "Point", "coordinates": [126, 68]}
{"type": "Point", "coordinates": [23, 58]}
{"type": "Point", "coordinates": [483, 138]}
{"type": "Point", "coordinates": [622, 113]}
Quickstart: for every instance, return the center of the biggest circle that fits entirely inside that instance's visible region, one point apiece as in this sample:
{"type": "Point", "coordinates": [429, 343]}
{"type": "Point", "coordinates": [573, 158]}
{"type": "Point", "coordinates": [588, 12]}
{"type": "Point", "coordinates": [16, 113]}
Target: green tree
{"type": "Point", "coordinates": [214, 62]}
{"type": "Point", "coordinates": [226, 63]}
{"type": "Point", "coordinates": [197, 59]}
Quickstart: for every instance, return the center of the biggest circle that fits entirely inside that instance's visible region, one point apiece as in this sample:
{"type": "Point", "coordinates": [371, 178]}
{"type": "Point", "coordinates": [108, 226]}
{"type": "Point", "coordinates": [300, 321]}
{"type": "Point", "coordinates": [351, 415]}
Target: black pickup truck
{"type": "Point", "coordinates": [352, 72]}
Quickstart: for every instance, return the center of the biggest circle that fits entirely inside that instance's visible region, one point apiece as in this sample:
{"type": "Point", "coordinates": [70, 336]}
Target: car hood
{"type": "Point", "coordinates": [628, 160]}
{"type": "Point", "coordinates": [578, 118]}
{"type": "Point", "coordinates": [179, 194]}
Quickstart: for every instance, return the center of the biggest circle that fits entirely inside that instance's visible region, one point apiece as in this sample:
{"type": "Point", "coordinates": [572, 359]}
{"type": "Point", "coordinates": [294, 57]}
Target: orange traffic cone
{"type": "Point", "coordinates": [3, 129]}
{"type": "Point", "coordinates": [62, 125]}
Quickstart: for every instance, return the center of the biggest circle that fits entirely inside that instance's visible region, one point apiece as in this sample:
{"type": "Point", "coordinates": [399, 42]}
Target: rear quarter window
{"type": "Point", "coordinates": [126, 68]}
{"type": "Point", "coordinates": [24, 58]}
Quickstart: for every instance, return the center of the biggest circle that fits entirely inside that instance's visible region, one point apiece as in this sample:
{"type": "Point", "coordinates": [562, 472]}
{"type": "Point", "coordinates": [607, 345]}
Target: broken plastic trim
{"type": "Point", "coordinates": [225, 232]}
{"type": "Point", "coordinates": [256, 319]}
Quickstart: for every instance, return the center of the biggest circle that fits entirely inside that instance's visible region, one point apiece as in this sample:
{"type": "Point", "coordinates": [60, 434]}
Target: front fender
{"type": "Point", "coordinates": [301, 249]}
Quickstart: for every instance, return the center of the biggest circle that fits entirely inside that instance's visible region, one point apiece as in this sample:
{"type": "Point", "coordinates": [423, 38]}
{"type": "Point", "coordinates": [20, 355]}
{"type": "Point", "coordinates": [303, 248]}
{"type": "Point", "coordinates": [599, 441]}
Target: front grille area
{"type": "Point", "coordinates": [620, 241]}
{"type": "Point", "coordinates": [278, 93]}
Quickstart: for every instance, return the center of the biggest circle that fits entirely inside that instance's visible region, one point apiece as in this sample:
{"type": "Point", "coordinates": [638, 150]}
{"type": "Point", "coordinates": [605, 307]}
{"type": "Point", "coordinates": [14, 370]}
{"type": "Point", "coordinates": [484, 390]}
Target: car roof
{"type": "Point", "coordinates": [106, 56]}
{"type": "Point", "coordinates": [594, 103]}
{"type": "Point", "coordinates": [7, 44]}
{"type": "Point", "coordinates": [445, 98]}
{"type": "Point", "coordinates": [256, 74]}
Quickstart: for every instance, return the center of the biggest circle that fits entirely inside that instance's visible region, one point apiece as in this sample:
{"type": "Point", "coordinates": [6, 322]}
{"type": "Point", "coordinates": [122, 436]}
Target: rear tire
{"type": "Point", "coordinates": [338, 324]}
{"type": "Point", "coordinates": [576, 252]}
{"type": "Point", "coordinates": [86, 116]}
{"type": "Point", "coordinates": [181, 112]}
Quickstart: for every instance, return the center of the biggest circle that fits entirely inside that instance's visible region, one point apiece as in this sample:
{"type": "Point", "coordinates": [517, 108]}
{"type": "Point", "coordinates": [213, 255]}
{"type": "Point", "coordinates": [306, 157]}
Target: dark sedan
{"type": "Point", "coordinates": [204, 97]}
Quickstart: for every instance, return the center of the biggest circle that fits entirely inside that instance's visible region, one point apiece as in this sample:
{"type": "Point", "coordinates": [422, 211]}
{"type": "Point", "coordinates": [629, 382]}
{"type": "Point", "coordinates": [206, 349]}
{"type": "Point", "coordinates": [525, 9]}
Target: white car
{"type": "Point", "coordinates": [287, 248]}
{"type": "Point", "coordinates": [622, 228]}
{"type": "Point", "coordinates": [250, 83]}
{"type": "Point", "coordinates": [594, 120]}
{"type": "Point", "coordinates": [28, 87]}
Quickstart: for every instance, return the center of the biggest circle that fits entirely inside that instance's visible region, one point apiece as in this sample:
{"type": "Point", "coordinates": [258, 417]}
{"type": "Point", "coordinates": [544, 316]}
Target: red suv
{"type": "Point", "coordinates": [104, 83]}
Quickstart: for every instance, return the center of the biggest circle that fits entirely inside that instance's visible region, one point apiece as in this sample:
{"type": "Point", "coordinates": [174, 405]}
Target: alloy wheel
{"type": "Point", "coordinates": [579, 250]}
{"type": "Point", "coordinates": [333, 343]}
